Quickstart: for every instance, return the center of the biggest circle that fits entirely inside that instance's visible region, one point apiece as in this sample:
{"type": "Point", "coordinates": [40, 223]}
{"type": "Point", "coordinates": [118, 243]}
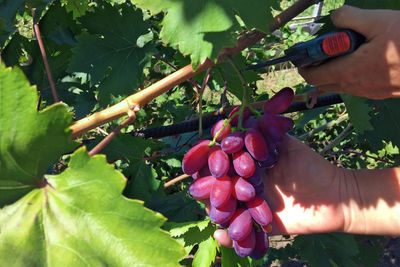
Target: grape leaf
{"type": "Point", "coordinates": [109, 52]}
{"type": "Point", "coordinates": [78, 8]}
{"type": "Point", "coordinates": [8, 11]}
{"type": "Point", "coordinates": [358, 110]}
{"type": "Point", "coordinates": [142, 181]}
{"type": "Point", "coordinates": [331, 249]}
{"type": "Point", "coordinates": [30, 141]}
{"type": "Point", "coordinates": [235, 85]}
{"type": "Point", "coordinates": [229, 258]}
{"type": "Point", "coordinates": [202, 28]}
{"type": "Point", "coordinates": [80, 218]}
{"type": "Point", "coordinates": [176, 207]}
{"type": "Point", "coordinates": [59, 27]}
{"type": "Point", "coordinates": [205, 254]}
{"type": "Point", "coordinates": [385, 122]}
{"type": "Point", "coordinates": [178, 229]}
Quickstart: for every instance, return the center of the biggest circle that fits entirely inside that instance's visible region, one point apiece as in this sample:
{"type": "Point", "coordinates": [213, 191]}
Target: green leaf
{"type": "Point", "coordinates": [235, 85]}
{"type": "Point", "coordinates": [30, 141]}
{"type": "Point", "coordinates": [332, 249]}
{"type": "Point", "coordinates": [202, 28]}
{"type": "Point", "coordinates": [229, 258]}
{"type": "Point", "coordinates": [205, 254]}
{"type": "Point", "coordinates": [176, 207]}
{"type": "Point", "coordinates": [358, 110]}
{"type": "Point", "coordinates": [178, 229]}
{"type": "Point", "coordinates": [370, 250]}
{"type": "Point", "coordinates": [78, 8]}
{"type": "Point", "coordinates": [143, 181]}
{"type": "Point", "coordinates": [80, 218]}
{"type": "Point", "coordinates": [8, 11]}
{"type": "Point", "coordinates": [385, 120]}
{"type": "Point", "coordinates": [58, 28]}
{"type": "Point", "coordinates": [109, 52]}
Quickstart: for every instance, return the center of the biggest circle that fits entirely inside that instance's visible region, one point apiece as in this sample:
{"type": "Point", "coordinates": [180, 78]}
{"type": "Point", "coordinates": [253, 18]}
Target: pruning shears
{"type": "Point", "coordinates": [318, 50]}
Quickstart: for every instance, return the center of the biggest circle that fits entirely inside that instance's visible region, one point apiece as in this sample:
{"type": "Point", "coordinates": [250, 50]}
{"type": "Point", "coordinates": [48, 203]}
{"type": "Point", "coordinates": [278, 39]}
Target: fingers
{"type": "Point", "coordinates": [223, 238]}
{"type": "Point", "coordinates": [360, 20]}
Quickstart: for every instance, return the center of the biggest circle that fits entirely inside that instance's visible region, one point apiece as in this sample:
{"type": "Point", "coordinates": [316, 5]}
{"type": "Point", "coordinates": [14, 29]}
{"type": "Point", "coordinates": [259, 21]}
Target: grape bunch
{"type": "Point", "coordinates": [228, 171]}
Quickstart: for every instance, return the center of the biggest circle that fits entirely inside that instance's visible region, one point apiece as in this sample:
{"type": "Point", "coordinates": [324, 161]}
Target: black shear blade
{"type": "Point", "coordinates": [276, 61]}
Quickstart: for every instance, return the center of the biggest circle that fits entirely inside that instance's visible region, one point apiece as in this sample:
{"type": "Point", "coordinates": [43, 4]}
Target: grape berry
{"type": "Point", "coordinates": [230, 173]}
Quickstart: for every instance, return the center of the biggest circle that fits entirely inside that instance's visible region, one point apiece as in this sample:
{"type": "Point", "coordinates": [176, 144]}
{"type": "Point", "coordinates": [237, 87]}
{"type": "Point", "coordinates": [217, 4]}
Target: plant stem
{"type": "Point", "coordinates": [337, 140]}
{"type": "Point", "coordinates": [326, 126]}
{"type": "Point", "coordinates": [349, 151]}
{"type": "Point", "coordinates": [203, 86]}
{"type": "Point", "coordinates": [46, 63]}
{"type": "Point", "coordinates": [111, 136]}
{"type": "Point", "coordinates": [193, 82]}
{"type": "Point", "coordinates": [175, 180]}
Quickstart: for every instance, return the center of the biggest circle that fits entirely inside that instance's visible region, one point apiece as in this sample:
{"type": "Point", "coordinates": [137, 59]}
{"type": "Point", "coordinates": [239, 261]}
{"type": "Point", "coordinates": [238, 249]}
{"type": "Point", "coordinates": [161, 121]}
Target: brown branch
{"type": "Point", "coordinates": [46, 63]}
{"type": "Point", "coordinates": [193, 82]}
{"type": "Point", "coordinates": [143, 97]}
{"type": "Point", "coordinates": [111, 136]}
{"type": "Point", "coordinates": [175, 180]}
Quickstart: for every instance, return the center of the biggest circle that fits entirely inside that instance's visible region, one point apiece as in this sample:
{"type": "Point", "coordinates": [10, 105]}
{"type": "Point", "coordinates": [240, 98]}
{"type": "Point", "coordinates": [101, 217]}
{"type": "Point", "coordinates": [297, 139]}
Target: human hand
{"type": "Point", "coordinates": [373, 70]}
{"type": "Point", "coordinates": [304, 192]}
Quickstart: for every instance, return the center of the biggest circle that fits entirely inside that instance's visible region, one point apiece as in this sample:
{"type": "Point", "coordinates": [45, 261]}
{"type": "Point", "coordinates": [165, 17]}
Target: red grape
{"type": "Point", "coordinates": [259, 189]}
{"type": "Point", "coordinates": [221, 191]}
{"type": "Point", "coordinates": [256, 145]}
{"type": "Point", "coordinates": [233, 143]}
{"type": "Point", "coordinates": [251, 123]}
{"type": "Point", "coordinates": [196, 157]}
{"type": "Point", "coordinates": [218, 126]}
{"type": "Point", "coordinates": [279, 102]}
{"type": "Point", "coordinates": [261, 246]}
{"type": "Point", "coordinates": [259, 210]}
{"type": "Point", "coordinates": [270, 127]}
{"type": "Point", "coordinates": [224, 213]}
{"type": "Point", "coordinates": [246, 246]}
{"type": "Point", "coordinates": [242, 190]}
{"type": "Point", "coordinates": [235, 120]}
{"type": "Point", "coordinates": [243, 164]}
{"type": "Point", "coordinates": [240, 225]}
{"type": "Point", "coordinates": [257, 177]}
{"type": "Point", "coordinates": [201, 187]}
{"type": "Point", "coordinates": [218, 162]}
{"type": "Point", "coordinates": [205, 171]}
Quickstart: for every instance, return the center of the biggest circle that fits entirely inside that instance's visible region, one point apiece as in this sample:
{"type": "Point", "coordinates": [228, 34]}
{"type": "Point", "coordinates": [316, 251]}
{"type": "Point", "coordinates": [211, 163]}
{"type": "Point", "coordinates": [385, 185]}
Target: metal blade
{"type": "Point", "coordinates": [275, 61]}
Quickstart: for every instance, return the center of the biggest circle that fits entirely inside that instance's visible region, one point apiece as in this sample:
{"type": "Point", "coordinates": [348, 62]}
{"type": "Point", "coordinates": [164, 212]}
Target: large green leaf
{"type": "Point", "coordinates": [80, 218]}
{"type": "Point", "coordinates": [358, 110]}
{"type": "Point", "coordinates": [202, 28]}
{"type": "Point", "coordinates": [385, 119]}
{"type": "Point", "coordinates": [331, 249]}
{"type": "Point", "coordinates": [30, 141]}
{"type": "Point", "coordinates": [110, 52]}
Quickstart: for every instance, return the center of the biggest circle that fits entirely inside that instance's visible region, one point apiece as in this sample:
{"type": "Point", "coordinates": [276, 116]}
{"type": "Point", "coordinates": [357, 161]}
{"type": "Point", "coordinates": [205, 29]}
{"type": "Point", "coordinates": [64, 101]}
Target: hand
{"type": "Point", "coordinates": [303, 191]}
{"type": "Point", "coordinates": [373, 70]}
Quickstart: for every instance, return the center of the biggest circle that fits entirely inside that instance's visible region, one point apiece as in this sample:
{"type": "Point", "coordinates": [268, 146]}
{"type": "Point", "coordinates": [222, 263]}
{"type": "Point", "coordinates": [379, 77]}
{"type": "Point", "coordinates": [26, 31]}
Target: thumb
{"type": "Point", "coordinates": [360, 20]}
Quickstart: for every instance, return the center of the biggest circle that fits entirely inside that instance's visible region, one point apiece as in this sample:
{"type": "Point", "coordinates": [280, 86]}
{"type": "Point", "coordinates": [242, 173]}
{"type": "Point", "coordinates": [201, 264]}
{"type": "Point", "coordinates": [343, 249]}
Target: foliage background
{"type": "Point", "coordinates": [64, 208]}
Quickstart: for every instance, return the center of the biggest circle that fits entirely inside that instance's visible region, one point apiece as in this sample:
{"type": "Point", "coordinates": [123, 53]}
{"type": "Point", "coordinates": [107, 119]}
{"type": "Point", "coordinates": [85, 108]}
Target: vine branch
{"type": "Point", "coordinates": [142, 97]}
{"type": "Point", "coordinates": [46, 63]}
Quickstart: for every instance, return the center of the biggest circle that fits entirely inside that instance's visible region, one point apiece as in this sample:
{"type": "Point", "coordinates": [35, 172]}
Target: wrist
{"type": "Point", "coordinates": [350, 200]}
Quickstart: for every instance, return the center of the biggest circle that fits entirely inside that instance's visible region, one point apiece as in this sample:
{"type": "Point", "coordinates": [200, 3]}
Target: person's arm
{"type": "Point", "coordinates": [373, 70]}
{"type": "Point", "coordinates": [308, 194]}
{"type": "Point", "coordinates": [371, 202]}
